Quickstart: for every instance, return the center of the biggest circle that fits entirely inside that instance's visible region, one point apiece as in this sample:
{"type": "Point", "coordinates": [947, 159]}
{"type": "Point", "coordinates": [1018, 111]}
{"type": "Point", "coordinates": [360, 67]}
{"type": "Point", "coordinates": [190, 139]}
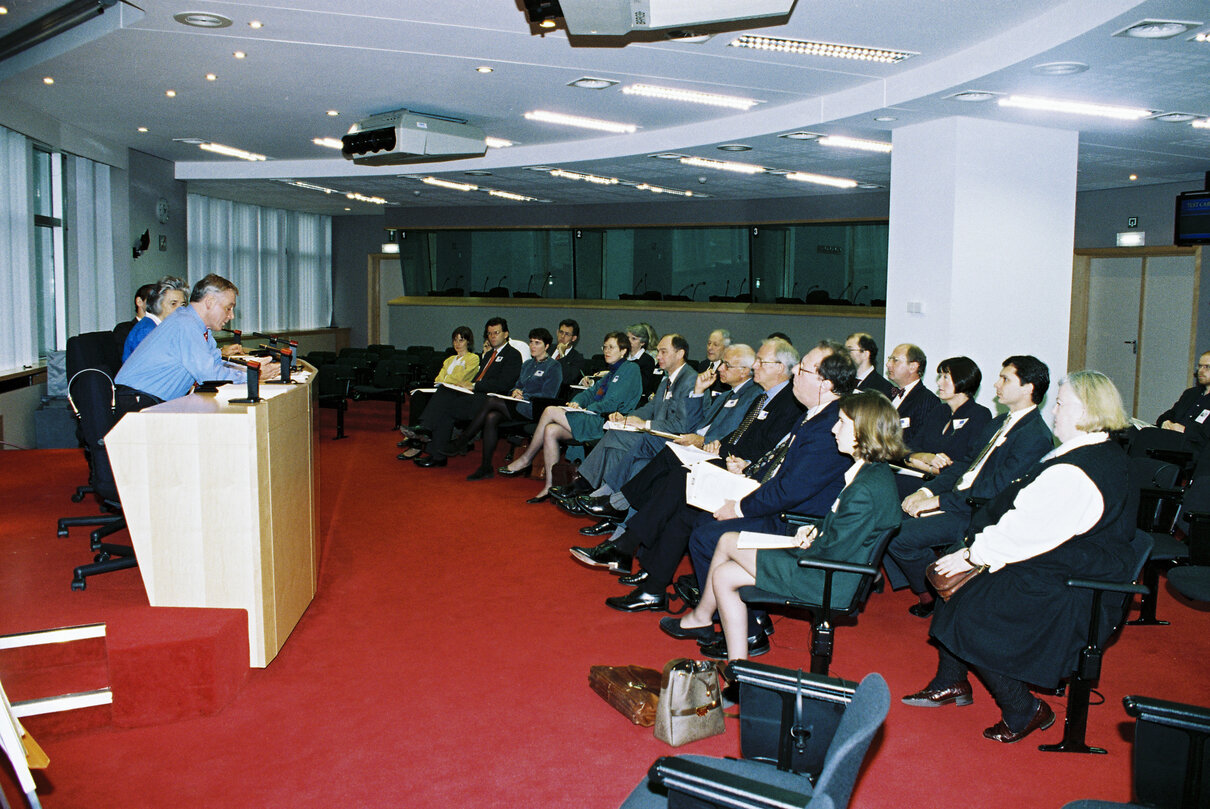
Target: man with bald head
{"type": "Point", "coordinates": [905, 368]}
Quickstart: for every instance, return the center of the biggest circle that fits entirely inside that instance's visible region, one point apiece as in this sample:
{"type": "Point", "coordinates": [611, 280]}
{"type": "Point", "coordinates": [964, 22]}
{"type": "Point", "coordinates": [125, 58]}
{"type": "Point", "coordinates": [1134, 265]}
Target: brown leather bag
{"type": "Point", "coordinates": [632, 690]}
{"type": "Point", "coordinates": [945, 585]}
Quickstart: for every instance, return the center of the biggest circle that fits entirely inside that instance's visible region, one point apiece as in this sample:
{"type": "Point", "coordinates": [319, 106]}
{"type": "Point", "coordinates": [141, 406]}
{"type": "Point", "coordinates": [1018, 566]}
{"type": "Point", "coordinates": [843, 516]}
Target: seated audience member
{"type": "Point", "coordinates": [868, 432]}
{"type": "Point", "coordinates": [640, 342]}
{"type": "Point", "coordinates": [569, 357]}
{"type": "Point", "coordinates": [541, 377]}
{"type": "Point", "coordinates": [613, 460]}
{"type": "Point", "coordinates": [1008, 446]}
{"type": "Point", "coordinates": [721, 397]}
{"type": "Point", "coordinates": [716, 343]}
{"type": "Point", "coordinates": [584, 416]}
{"type": "Point", "coordinates": [864, 351]}
{"type": "Point", "coordinates": [458, 369]}
{"type": "Point", "coordinates": [181, 351]}
{"type": "Point", "coordinates": [499, 368]}
{"type": "Point", "coordinates": [1018, 623]}
{"type": "Point", "coordinates": [802, 473]}
{"type": "Point", "coordinates": [122, 330]}
{"type": "Point", "coordinates": [915, 403]}
{"type": "Point", "coordinates": [1191, 413]}
{"type": "Point", "coordinates": [169, 294]}
{"type": "Point", "coordinates": [949, 431]}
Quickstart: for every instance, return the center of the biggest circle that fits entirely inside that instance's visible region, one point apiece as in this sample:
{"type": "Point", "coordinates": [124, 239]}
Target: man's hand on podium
{"type": "Point", "coordinates": [270, 370]}
{"type": "Point", "coordinates": [233, 350]}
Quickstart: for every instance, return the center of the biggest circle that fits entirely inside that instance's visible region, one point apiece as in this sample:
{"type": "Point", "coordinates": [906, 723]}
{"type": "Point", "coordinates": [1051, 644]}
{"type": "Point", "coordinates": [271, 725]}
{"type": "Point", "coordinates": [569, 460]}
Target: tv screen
{"type": "Point", "coordinates": [1192, 224]}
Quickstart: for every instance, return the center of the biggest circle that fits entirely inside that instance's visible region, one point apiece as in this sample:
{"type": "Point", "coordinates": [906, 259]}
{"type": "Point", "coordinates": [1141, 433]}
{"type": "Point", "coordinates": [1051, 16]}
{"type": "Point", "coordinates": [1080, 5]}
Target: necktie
{"type": "Point", "coordinates": [749, 417]}
{"type": "Point", "coordinates": [766, 466]}
{"type": "Point", "coordinates": [488, 364]}
{"type": "Point", "coordinates": [972, 471]}
{"type": "Point", "coordinates": [896, 393]}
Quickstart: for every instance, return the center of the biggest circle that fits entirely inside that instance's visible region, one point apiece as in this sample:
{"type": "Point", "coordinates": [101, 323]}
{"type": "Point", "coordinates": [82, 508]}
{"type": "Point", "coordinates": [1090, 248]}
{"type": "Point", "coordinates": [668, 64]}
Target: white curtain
{"type": "Point", "coordinates": [18, 343]}
{"type": "Point", "coordinates": [280, 260]}
{"type": "Point", "coordinates": [89, 245]}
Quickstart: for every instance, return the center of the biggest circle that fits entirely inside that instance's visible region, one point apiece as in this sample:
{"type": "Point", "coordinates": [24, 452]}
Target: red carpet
{"type": "Point", "coordinates": [444, 663]}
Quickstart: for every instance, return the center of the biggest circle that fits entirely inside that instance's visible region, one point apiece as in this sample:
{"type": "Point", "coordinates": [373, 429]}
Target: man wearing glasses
{"type": "Point", "coordinates": [1191, 413]}
{"type": "Point", "coordinates": [913, 400]}
{"type": "Point", "coordinates": [864, 351]}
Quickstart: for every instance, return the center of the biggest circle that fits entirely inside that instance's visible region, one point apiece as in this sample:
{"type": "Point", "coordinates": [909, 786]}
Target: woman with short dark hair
{"type": "Point", "coordinates": [948, 433]}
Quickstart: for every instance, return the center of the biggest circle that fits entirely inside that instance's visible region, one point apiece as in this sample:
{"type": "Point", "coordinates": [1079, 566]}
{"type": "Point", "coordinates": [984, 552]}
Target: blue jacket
{"type": "Point", "coordinates": [722, 412]}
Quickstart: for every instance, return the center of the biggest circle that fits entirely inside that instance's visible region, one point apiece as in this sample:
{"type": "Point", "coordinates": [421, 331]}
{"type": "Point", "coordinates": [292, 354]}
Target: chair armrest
{"type": "Point", "coordinates": [1174, 714]}
{"type": "Point", "coordinates": [797, 518]}
{"type": "Point", "coordinates": [1108, 586]}
{"type": "Point", "coordinates": [1179, 457]}
{"type": "Point", "coordinates": [837, 565]}
{"type": "Point", "coordinates": [705, 782]}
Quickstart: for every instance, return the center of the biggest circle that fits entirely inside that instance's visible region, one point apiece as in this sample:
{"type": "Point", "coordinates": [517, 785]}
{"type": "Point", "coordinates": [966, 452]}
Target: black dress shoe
{"type": "Point", "coordinates": [717, 650]}
{"type": "Point", "coordinates": [574, 489]}
{"type": "Point", "coordinates": [482, 473]}
{"type": "Point", "coordinates": [596, 529]}
{"type": "Point", "coordinates": [429, 462]}
{"type": "Point", "coordinates": [570, 506]}
{"type": "Point", "coordinates": [604, 555]}
{"type": "Point", "coordinates": [542, 498]}
{"type": "Point", "coordinates": [600, 507]}
{"type": "Point", "coordinates": [409, 454]}
{"type": "Point", "coordinates": [923, 609]}
{"type": "Point", "coordinates": [634, 579]}
{"type": "Point", "coordinates": [1043, 718]}
{"type": "Point", "coordinates": [637, 601]}
{"type": "Point", "coordinates": [956, 694]}
{"type": "Point", "coordinates": [504, 471]}
{"type": "Point", "coordinates": [702, 634]}
{"type": "Point", "coordinates": [765, 622]}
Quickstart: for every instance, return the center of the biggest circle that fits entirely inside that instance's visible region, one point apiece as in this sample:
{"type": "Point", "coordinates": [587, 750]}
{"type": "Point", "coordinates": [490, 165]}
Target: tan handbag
{"type": "Point", "coordinates": [690, 707]}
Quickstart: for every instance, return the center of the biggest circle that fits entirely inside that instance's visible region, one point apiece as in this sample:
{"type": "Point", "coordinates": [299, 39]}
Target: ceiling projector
{"type": "Point", "coordinates": [621, 17]}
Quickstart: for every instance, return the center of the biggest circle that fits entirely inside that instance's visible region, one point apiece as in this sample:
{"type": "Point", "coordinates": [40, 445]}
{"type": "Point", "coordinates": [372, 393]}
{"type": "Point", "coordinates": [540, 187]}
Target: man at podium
{"type": "Point", "coordinates": [182, 352]}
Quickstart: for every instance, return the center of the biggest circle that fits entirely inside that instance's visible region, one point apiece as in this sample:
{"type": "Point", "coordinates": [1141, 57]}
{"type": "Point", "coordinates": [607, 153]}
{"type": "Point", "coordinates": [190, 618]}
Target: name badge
{"type": "Point", "coordinates": [615, 378]}
{"type": "Point", "coordinates": [499, 358]}
{"type": "Point", "coordinates": [958, 423]}
{"type": "Point", "coordinates": [539, 373]}
{"type": "Point", "coordinates": [668, 394]}
{"type": "Point", "coordinates": [905, 423]}
{"type": "Point", "coordinates": [762, 415]}
{"type": "Point", "coordinates": [730, 403]}
{"type": "Point", "coordinates": [1202, 418]}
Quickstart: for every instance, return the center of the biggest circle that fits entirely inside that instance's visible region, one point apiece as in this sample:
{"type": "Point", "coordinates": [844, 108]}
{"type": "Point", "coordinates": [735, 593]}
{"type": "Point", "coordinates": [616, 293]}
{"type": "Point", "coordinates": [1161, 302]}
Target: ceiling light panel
{"type": "Point", "coordinates": [450, 185]}
{"type": "Point", "coordinates": [331, 143]}
{"type": "Point", "coordinates": [591, 83]}
{"type": "Point", "coordinates": [1157, 29]}
{"type": "Point", "coordinates": [231, 151]}
{"type": "Point", "coordinates": [845, 142]}
{"type": "Point", "coordinates": [821, 179]}
{"type": "Point", "coordinates": [806, 47]}
{"type": "Point", "coordinates": [497, 143]}
{"type": "Point", "coordinates": [1075, 107]}
{"type": "Point", "coordinates": [543, 116]}
{"type": "Point", "coordinates": [588, 178]}
{"type": "Point", "coordinates": [723, 165]}
{"type": "Point", "coordinates": [691, 96]}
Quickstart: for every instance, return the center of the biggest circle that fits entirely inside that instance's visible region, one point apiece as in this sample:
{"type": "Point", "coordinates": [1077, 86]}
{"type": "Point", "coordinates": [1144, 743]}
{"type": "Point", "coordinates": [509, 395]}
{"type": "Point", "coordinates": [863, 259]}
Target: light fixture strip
{"type": "Point", "coordinates": [450, 185]}
{"type": "Point", "coordinates": [312, 187]}
{"type": "Point", "coordinates": [691, 96]}
{"type": "Point", "coordinates": [657, 189]}
{"type": "Point", "coordinates": [497, 143]}
{"type": "Point", "coordinates": [1075, 107]}
{"type": "Point", "coordinates": [1201, 123]}
{"type": "Point", "coordinates": [353, 195]}
{"type": "Point", "coordinates": [821, 179]}
{"type": "Point", "coordinates": [331, 143]}
{"type": "Point", "coordinates": [806, 47]}
{"type": "Point", "coordinates": [845, 142]}
{"type": "Point", "coordinates": [589, 178]}
{"type": "Point", "coordinates": [231, 151]}
{"type": "Point", "coordinates": [543, 116]}
{"type": "Point", "coordinates": [723, 165]}
{"type": "Point", "coordinates": [510, 195]}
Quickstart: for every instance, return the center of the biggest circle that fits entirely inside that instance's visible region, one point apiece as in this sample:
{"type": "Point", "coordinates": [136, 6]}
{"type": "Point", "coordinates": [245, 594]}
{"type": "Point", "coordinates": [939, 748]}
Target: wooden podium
{"type": "Point", "coordinates": [221, 504]}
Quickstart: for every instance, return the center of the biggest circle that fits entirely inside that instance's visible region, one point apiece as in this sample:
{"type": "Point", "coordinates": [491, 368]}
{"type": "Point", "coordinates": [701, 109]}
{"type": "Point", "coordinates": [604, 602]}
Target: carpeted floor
{"type": "Point", "coordinates": [444, 663]}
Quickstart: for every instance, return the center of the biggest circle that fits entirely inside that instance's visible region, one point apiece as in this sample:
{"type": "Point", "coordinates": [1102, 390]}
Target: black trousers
{"type": "Point", "coordinates": [445, 408]}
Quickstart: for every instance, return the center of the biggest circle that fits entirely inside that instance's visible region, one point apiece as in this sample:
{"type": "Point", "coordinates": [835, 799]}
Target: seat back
{"type": "Point", "coordinates": [90, 391]}
{"type": "Point", "coordinates": [1114, 606]}
{"type": "Point", "coordinates": [1171, 753]}
{"type": "Point", "coordinates": [861, 721]}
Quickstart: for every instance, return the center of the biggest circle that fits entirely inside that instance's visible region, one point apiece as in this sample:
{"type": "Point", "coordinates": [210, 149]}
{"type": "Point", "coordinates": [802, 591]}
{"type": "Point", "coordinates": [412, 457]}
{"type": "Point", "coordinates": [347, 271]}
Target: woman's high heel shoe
{"type": "Point", "coordinates": [542, 498]}
{"type": "Point", "coordinates": [504, 471]}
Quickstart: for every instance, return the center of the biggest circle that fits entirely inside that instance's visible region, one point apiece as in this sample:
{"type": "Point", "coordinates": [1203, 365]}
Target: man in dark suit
{"type": "Point", "coordinates": [1191, 413]}
{"type": "Point", "coordinates": [716, 343]}
{"type": "Point", "coordinates": [915, 403]}
{"type": "Point", "coordinates": [122, 330]}
{"type": "Point", "coordinates": [864, 351]}
{"type": "Point", "coordinates": [499, 367]}
{"type": "Point", "coordinates": [569, 357]}
{"type": "Point", "coordinates": [803, 472]}
{"type": "Point", "coordinates": [1009, 446]}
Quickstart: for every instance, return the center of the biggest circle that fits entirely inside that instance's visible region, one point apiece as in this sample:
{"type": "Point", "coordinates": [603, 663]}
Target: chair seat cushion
{"type": "Point", "coordinates": [1191, 582]}
{"type": "Point", "coordinates": [647, 796]}
{"type": "Point", "coordinates": [1168, 548]}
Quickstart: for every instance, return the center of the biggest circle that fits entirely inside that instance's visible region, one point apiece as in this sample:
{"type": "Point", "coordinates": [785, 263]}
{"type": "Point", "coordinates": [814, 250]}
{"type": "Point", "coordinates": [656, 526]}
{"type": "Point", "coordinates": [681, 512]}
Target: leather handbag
{"type": "Point", "coordinates": [945, 585]}
{"type": "Point", "coordinates": [690, 706]}
{"type": "Point", "coordinates": [632, 690]}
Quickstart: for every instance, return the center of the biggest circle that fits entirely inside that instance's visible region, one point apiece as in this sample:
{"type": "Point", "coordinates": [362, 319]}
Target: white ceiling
{"type": "Point", "coordinates": [366, 56]}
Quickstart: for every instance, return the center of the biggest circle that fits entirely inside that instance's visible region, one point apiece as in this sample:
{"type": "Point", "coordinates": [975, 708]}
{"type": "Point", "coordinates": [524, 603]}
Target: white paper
{"type": "Point", "coordinates": [708, 487]}
{"type": "Point", "coordinates": [759, 541]}
{"type": "Point", "coordinates": [690, 455]}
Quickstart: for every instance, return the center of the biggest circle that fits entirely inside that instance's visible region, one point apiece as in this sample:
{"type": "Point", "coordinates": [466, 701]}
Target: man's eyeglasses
{"type": "Point", "coordinates": [759, 361]}
{"type": "Point", "coordinates": [802, 369]}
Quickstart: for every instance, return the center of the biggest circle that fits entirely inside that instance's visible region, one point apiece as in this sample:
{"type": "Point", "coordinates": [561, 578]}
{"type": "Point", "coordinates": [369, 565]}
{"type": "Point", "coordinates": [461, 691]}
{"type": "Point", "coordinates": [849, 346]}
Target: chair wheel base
{"type": "Point", "coordinates": [78, 584]}
{"type": "Point", "coordinates": [1064, 747]}
{"type": "Point", "coordinates": [1146, 622]}
{"type": "Point", "coordinates": [62, 532]}
{"type": "Point", "coordinates": [77, 498]}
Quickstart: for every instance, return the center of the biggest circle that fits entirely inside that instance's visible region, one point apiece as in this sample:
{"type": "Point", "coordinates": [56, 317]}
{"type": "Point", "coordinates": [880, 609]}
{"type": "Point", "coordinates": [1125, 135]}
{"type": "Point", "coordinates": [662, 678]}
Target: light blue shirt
{"type": "Point", "coordinates": [174, 355]}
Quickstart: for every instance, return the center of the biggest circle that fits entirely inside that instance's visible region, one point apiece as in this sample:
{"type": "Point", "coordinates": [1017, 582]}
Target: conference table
{"type": "Point", "coordinates": [221, 504]}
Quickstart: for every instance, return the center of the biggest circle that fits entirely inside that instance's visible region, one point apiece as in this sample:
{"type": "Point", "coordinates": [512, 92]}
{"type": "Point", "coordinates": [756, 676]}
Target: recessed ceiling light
{"type": "Point", "coordinates": [3, 10]}
{"type": "Point", "coordinates": [821, 179]}
{"type": "Point", "coordinates": [48, 80]}
{"type": "Point", "coordinates": [231, 151]}
{"type": "Point", "coordinates": [1201, 36]}
{"type": "Point", "coordinates": [255, 24]}
{"type": "Point", "coordinates": [1201, 123]}
{"type": "Point", "coordinates": [331, 143]}
{"type": "Point", "coordinates": [170, 93]}
{"type": "Point", "coordinates": [576, 120]}
{"type": "Point", "coordinates": [546, 169]}
{"type": "Point", "coordinates": [547, 23]}
{"type": "Point", "coordinates": [191, 141]}
{"type": "Point", "coordinates": [868, 186]}
{"type": "Point", "coordinates": [806, 47]}
{"type": "Point", "coordinates": [142, 129]}
{"type": "Point", "coordinates": [972, 96]}
{"type": "Point", "coordinates": [239, 54]}
{"type": "Point", "coordinates": [691, 96]}
{"type": "Point", "coordinates": [348, 209]}
{"type": "Point", "coordinates": [845, 142]}
{"type": "Point", "coordinates": [1175, 117]}
{"type": "Point", "coordinates": [590, 83]}
{"type": "Point", "coordinates": [667, 156]}
{"type": "Point", "coordinates": [483, 69]}
{"type": "Point", "coordinates": [332, 113]}
{"type": "Point", "coordinates": [1075, 107]}
{"type": "Point", "coordinates": [883, 119]}
{"type": "Point", "coordinates": [211, 77]}
{"type": "Point", "coordinates": [497, 143]}
{"type": "Point", "coordinates": [723, 165]}
{"type": "Point", "coordinates": [201, 19]}
{"type": "Point", "coordinates": [450, 185]}
{"type": "Point", "coordinates": [1133, 177]}
{"type": "Point", "coordinates": [800, 135]}
{"type": "Point", "coordinates": [733, 147]}
{"type": "Point", "coordinates": [1157, 29]}
{"type": "Point", "coordinates": [477, 173]}
{"type": "Point", "coordinates": [1059, 68]}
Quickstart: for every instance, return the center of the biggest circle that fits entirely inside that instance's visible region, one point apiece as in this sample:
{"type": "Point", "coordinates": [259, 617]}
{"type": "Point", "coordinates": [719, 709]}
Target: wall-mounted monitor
{"type": "Point", "coordinates": [1192, 220]}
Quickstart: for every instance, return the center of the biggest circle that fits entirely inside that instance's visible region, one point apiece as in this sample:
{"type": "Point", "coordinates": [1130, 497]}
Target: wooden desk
{"type": "Point", "coordinates": [221, 505]}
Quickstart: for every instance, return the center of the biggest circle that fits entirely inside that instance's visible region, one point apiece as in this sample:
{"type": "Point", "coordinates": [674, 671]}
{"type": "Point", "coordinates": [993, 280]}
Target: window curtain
{"type": "Point", "coordinates": [18, 344]}
{"type": "Point", "coordinates": [280, 260]}
{"type": "Point", "coordinates": [91, 286]}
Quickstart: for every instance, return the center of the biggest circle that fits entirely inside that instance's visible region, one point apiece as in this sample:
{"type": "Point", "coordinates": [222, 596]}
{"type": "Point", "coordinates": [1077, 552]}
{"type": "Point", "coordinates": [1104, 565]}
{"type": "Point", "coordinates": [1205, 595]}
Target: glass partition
{"type": "Point", "coordinates": [838, 263]}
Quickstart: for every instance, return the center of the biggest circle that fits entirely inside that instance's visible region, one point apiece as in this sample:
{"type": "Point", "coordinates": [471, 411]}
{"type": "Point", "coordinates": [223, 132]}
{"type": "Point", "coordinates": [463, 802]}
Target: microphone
{"type": "Point", "coordinates": [284, 357]}
{"type": "Point", "coordinates": [847, 287]}
{"type": "Point", "coordinates": [727, 288]}
{"type": "Point", "coordinates": [253, 381]}
{"type": "Point", "coordinates": [235, 333]}
{"type": "Point", "coordinates": [741, 286]}
{"type": "Point", "coordinates": [642, 282]}
{"type": "Point", "coordinates": [500, 283]}
{"type": "Point", "coordinates": [274, 340]}
{"type": "Point", "coordinates": [530, 283]}
{"type": "Point", "coordinates": [547, 280]}
{"type": "Point", "coordinates": [858, 292]}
